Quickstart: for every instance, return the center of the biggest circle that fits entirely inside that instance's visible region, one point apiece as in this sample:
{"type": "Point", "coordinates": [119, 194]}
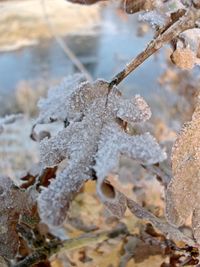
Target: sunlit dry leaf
{"type": "Point", "coordinates": [184, 58]}
{"type": "Point", "coordinates": [183, 191]}
{"type": "Point", "coordinates": [92, 142]}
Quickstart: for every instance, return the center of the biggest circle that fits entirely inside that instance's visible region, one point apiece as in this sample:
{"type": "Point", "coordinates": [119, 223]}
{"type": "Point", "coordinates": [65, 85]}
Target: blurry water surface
{"type": "Point", "coordinates": [103, 52]}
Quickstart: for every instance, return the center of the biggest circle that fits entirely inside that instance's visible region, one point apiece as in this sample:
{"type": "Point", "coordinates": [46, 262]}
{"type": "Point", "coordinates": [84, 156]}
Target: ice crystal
{"type": "Point", "coordinates": [183, 191]}
{"type": "Point", "coordinates": [92, 144]}
{"type": "Point", "coordinates": [186, 54]}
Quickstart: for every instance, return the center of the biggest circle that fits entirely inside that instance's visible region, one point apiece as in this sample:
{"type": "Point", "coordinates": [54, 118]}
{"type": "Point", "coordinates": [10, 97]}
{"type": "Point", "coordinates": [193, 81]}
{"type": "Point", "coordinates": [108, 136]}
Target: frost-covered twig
{"type": "Point", "coordinates": [170, 231]}
{"type": "Point", "coordinates": [53, 247]}
{"type": "Point", "coordinates": [188, 21]}
{"type": "Point", "coordinates": [161, 175]}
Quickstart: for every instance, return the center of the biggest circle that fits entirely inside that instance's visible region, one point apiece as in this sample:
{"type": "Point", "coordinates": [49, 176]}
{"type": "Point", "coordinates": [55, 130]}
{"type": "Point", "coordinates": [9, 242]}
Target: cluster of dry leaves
{"type": "Point", "coordinates": [79, 185]}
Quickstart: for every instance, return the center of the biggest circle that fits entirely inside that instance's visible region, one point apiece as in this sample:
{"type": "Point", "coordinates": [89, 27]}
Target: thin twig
{"type": "Point", "coordinates": [186, 22]}
{"type": "Point", "coordinates": [163, 226]}
{"type": "Point", "coordinates": [64, 46]}
{"type": "Point", "coordinates": [53, 247]}
{"type": "Point", "coordinates": [163, 177]}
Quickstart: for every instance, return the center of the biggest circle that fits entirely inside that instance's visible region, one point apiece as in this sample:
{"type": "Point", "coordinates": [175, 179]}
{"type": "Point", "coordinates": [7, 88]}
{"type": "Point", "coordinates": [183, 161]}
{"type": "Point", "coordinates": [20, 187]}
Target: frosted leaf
{"type": "Point", "coordinates": [14, 203]}
{"type": "Point", "coordinates": [53, 150]}
{"type": "Point", "coordinates": [114, 141]}
{"type": "Point", "coordinates": [133, 110]}
{"type": "Point", "coordinates": [56, 105]}
{"type": "Point", "coordinates": [54, 200]}
{"type": "Point", "coordinates": [182, 194]}
{"type": "Point", "coordinates": [86, 144]}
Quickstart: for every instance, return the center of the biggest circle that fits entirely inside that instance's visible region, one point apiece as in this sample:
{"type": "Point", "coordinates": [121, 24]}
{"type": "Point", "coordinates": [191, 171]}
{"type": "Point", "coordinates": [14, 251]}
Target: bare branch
{"type": "Point", "coordinates": [186, 22]}
{"type": "Point", "coordinates": [167, 229]}
{"type": "Point", "coordinates": [53, 247]}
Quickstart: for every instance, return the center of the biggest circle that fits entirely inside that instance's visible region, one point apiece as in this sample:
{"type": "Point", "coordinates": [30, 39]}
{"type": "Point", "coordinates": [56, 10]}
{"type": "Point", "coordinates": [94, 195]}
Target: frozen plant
{"type": "Point", "coordinates": [95, 116]}
{"type": "Point", "coordinates": [92, 142]}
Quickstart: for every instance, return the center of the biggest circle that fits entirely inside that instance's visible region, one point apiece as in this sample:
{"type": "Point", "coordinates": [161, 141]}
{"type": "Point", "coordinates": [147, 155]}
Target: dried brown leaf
{"type": "Point", "coordinates": [133, 6]}
{"type": "Point", "coordinates": [184, 58]}
{"type": "Point", "coordinates": [14, 204]}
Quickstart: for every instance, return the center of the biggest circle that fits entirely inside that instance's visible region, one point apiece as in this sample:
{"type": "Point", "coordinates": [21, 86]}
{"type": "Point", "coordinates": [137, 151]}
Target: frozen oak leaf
{"type": "Point", "coordinates": [91, 144]}
{"type": "Point", "coordinates": [56, 105]}
{"type": "Point", "coordinates": [182, 195]}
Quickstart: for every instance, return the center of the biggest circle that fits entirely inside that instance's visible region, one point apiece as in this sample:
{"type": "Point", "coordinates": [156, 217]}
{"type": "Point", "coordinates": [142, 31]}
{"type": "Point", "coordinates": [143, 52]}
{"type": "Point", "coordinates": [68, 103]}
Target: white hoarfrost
{"type": "Point", "coordinates": [92, 142]}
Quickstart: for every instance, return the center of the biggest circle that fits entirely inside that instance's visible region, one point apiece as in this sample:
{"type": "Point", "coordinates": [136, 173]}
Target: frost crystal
{"type": "Point", "coordinates": [92, 144]}
{"type": "Point", "coordinates": [183, 191]}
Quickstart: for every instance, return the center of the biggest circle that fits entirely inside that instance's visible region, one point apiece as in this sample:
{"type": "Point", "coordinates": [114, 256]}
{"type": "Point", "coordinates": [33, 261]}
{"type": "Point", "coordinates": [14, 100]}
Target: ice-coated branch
{"type": "Point", "coordinates": [184, 23]}
{"type": "Point", "coordinates": [167, 229]}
